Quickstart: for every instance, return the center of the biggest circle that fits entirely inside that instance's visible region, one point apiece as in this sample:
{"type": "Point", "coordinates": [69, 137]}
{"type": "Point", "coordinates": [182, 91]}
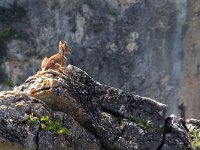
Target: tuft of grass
{"type": "Point", "coordinates": [32, 118]}
{"type": "Point", "coordinates": [195, 139]}
{"type": "Point", "coordinates": [82, 85]}
{"type": "Point", "coordinates": [70, 78]}
{"type": "Point", "coordinates": [48, 125]}
{"type": "Point", "coordinates": [144, 124]}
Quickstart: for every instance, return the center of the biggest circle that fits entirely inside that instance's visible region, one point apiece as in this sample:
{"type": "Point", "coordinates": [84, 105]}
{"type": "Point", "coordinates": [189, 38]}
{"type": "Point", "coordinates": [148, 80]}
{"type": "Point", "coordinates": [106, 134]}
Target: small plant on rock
{"type": "Point", "coordinates": [32, 118]}
{"type": "Point", "coordinates": [195, 139]}
{"type": "Point", "coordinates": [49, 125]}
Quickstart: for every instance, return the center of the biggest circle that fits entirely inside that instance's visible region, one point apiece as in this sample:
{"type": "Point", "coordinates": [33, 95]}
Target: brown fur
{"type": "Point", "coordinates": [58, 60]}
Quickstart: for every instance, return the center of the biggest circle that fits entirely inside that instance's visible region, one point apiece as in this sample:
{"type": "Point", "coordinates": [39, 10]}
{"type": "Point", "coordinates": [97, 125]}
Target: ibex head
{"type": "Point", "coordinates": [64, 48]}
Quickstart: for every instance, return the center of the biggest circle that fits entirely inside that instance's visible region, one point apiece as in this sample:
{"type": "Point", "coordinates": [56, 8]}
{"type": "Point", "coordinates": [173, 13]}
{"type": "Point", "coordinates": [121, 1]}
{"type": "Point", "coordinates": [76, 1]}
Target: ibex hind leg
{"type": "Point", "coordinates": [44, 62]}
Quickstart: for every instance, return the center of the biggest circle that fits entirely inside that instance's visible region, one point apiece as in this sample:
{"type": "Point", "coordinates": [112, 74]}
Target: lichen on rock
{"type": "Point", "coordinates": [54, 110]}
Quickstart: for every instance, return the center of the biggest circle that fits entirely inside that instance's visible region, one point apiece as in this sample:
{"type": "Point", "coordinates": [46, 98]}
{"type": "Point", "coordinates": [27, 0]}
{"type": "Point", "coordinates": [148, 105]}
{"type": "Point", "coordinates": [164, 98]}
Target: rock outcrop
{"type": "Point", "coordinates": [124, 40]}
{"type": "Point", "coordinates": [70, 110]}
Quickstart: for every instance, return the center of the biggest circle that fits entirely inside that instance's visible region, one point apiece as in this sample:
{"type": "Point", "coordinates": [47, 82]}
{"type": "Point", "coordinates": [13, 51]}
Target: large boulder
{"type": "Point", "coordinates": [69, 110]}
{"type": "Point", "coordinates": [118, 42]}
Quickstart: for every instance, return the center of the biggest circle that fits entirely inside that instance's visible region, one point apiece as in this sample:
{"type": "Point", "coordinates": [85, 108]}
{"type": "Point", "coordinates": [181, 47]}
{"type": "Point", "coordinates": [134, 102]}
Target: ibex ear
{"type": "Point", "coordinates": [68, 49]}
{"type": "Point", "coordinates": [63, 42]}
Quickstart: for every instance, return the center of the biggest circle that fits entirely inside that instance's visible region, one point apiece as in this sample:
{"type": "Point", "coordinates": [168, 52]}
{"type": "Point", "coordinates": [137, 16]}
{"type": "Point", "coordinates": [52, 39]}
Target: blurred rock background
{"type": "Point", "coordinates": [148, 47]}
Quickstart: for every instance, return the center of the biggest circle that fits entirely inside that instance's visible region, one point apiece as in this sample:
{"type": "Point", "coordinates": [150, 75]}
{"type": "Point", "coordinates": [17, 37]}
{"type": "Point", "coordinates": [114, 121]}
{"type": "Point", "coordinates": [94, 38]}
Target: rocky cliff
{"type": "Point", "coordinates": [149, 47]}
{"type": "Point", "coordinates": [69, 110]}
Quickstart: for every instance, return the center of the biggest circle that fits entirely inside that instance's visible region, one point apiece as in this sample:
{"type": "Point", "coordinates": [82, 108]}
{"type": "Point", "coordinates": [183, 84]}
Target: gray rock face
{"type": "Point", "coordinates": [18, 128]}
{"type": "Point", "coordinates": [176, 135]}
{"type": "Point", "coordinates": [114, 116]}
{"type": "Point", "coordinates": [68, 109]}
{"type": "Point", "coordinates": [148, 47]}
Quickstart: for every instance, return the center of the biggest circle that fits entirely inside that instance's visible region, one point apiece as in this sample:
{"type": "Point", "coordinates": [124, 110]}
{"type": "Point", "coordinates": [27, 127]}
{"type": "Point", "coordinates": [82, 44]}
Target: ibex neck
{"type": "Point", "coordinates": [62, 52]}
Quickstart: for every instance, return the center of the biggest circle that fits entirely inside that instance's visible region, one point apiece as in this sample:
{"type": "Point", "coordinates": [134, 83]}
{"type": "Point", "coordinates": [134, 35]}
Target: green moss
{"type": "Point", "coordinates": [121, 124]}
{"type": "Point", "coordinates": [49, 125]}
{"type": "Point", "coordinates": [195, 139]}
{"type": "Point", "coordinates": [8, 83]}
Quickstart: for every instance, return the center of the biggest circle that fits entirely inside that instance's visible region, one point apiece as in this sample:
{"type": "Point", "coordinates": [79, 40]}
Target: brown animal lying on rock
{"type": "Point", "coordinates": [58, 60]}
